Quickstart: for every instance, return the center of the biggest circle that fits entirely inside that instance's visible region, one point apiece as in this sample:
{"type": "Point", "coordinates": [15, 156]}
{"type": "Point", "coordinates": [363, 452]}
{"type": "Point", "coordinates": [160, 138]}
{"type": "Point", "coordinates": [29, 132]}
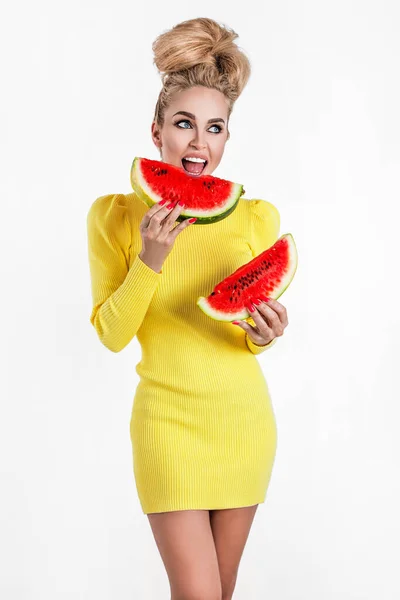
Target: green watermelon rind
{"type": "Point", "coordinates": [218, 315]}
{"type": "Point", "coordinates": [146, 195]}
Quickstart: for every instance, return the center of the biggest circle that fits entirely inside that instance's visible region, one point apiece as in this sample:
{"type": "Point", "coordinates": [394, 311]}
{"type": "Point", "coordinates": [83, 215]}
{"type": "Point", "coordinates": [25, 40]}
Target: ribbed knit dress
{"type": "Point", "coordinates": [202, 426]}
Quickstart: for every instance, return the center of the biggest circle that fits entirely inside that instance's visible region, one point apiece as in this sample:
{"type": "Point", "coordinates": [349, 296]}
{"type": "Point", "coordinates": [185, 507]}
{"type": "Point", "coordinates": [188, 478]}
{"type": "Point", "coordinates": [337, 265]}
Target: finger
{"type": "Point", "coordinates": [252, 331]}
{"type": "Point", "coordinates": [272, 319]}
{"type": "Point", "coordinates": [265, 328]}
{"type": "Point", "coordinates": [182, 225]}
{"type": "Point", "coordinates": [165, 217]}
{"type": "Point", "coordinates": [173, 214]}
{"type": "Point", "coordinates": [277, 307]}
{"type": "Point", "coordinates": [158, 207]}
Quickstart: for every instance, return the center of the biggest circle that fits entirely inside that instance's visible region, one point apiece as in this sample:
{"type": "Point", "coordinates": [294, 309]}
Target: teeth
{"type": "Point", "coordinates": [194, 159]}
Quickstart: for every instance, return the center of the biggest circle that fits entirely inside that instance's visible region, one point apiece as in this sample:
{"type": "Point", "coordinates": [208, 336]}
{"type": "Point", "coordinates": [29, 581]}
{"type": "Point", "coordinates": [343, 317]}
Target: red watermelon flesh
{"type": "Point", "coordinates": [206, 197]}
{"type": "Point", "coordinates": [268, 274]}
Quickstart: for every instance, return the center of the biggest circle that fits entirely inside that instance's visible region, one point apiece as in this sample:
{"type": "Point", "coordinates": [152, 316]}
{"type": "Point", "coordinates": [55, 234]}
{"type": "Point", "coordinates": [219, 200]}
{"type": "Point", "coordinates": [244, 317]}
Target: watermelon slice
{"type": "Point", "coordinates": [208, 198]}
{"type": "Point", "coordinates": [268, 274]}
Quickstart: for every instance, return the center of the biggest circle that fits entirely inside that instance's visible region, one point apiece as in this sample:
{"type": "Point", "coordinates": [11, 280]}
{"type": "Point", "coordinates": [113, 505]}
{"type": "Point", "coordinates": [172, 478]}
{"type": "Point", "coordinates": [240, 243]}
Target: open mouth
{"type": "Point", "coordinates": [194, 168]}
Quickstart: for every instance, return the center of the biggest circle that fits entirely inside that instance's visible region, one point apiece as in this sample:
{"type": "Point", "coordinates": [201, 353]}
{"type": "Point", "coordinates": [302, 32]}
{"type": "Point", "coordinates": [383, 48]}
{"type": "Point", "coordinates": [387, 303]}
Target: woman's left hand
{"type": "Point", "coordinates": [270, 320]}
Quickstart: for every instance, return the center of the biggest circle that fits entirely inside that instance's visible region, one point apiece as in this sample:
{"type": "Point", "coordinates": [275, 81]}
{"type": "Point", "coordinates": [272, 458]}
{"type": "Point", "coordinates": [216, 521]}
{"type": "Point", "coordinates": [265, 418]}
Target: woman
{"type": "Point", "coordinates": [202, 427]}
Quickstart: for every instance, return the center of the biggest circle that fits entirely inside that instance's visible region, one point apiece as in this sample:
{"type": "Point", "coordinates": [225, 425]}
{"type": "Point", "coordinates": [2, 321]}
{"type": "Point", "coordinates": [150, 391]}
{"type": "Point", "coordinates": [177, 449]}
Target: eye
{"type": "Point", "coordinates": [186, 121]}
{"type": "Point", "coordinates": [219, 128]}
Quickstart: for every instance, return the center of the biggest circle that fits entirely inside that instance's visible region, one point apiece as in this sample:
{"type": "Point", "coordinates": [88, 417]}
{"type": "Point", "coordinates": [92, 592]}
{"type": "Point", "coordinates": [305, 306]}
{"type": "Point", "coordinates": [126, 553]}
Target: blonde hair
{"type": "Point", "coordinates": [199, 52]}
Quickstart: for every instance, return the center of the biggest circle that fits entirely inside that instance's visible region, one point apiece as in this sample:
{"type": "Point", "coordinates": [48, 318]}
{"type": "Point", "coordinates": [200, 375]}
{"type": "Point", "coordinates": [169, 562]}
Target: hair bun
{"type": "Point", "coordinates": [191, 43]}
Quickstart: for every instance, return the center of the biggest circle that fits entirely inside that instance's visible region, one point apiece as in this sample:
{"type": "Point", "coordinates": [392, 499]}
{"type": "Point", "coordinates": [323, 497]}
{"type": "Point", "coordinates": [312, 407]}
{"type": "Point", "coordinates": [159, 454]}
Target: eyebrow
{"type": "Point", "coordinates": [188, 114]}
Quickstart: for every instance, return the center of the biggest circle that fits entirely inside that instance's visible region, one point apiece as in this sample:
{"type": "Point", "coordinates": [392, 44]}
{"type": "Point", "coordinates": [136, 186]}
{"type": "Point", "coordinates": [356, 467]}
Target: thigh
{"type": "Point", "coordinates": [186, 545]}
{"type": "Point", "coordinates": [230, 528]}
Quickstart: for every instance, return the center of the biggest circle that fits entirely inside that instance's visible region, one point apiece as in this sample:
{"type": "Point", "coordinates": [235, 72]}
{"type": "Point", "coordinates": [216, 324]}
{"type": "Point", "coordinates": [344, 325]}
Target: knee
{"type": "Point", "coordinates": [228, 588]}
{"type": "Point", "coordinates": [199, 593]}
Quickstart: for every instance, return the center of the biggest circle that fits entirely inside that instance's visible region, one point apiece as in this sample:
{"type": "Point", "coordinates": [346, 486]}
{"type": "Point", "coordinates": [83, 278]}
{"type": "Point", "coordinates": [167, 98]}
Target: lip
{"type": "Point", "coordinates": [196, 156]}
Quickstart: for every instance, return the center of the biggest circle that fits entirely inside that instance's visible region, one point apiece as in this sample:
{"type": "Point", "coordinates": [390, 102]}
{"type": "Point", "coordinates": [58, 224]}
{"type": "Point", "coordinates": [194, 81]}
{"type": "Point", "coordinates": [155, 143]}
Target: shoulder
{"type": "Point", "coordinates": [262, 209]}
{"type": "Point", "coordinates": [109, 206]}
{"type": "Point", "coordinates": [108, 220]}
{"type": "Point", "coordinates": [264, 212]}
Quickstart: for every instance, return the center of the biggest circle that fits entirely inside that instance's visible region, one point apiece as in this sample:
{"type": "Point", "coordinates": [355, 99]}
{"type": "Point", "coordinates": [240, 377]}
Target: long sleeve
{"type": "Point", "coordinates": [121, 295]}
{"type": "Point", "coordinates": [265, 226]}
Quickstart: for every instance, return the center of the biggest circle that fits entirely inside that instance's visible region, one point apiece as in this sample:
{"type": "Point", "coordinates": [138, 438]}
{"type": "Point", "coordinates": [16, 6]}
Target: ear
{"type": "Point", "coordinates": [156, 135]}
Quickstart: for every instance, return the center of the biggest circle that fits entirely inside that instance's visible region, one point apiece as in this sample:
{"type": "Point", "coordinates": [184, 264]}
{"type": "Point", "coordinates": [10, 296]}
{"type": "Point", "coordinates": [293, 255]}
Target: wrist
{"type": "Point", "coordinates": [154, 267]}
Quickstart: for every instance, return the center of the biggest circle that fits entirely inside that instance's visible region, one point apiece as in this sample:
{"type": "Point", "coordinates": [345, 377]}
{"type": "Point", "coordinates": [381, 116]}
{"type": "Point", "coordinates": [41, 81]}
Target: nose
{"type": "Point", "coordinates": [197, 147]}
{"type": "Point", "coordinates": [198, 142]}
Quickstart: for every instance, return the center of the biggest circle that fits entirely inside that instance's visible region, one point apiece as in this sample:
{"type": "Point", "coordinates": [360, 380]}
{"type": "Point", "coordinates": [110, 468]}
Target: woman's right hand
{"type": "Point", "coordinates": [158, 235]}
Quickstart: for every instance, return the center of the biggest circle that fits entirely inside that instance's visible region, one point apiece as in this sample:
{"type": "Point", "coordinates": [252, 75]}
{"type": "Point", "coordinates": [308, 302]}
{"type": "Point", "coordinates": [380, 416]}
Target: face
{"type": "Point", "coordinates": [193, 134]}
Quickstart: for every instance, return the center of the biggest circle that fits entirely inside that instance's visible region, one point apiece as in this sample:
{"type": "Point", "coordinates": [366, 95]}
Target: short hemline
{"type": "Point", "coordinates": [182, 508]}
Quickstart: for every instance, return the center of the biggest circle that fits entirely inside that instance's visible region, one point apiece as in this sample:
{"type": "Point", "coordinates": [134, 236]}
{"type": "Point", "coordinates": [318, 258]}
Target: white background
{"type": "Point", "coordinates": [316, 131]}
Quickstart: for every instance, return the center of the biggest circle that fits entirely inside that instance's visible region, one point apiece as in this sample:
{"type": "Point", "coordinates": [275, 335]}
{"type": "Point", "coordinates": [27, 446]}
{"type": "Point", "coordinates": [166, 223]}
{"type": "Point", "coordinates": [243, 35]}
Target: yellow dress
{"type": "Point", "coordinates": [202, 426]}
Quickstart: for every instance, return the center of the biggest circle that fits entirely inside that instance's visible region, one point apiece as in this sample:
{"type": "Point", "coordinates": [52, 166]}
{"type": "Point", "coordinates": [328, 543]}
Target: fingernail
{"type": "Point", "coordinates": [193, 220]}
{"type": "Point", "coordinates": [170, 205]}
{"type": "Point", "coordinates": [265, 299]}
{"type": "Point", "coordinates": [257, 302]}
{"type": "Point", "coordinates": [235, 322]}
{"type": "Point", "coordinates": [181, 203]}
{"type": "Point", "coordinates": [251, 307]}
{"type": "Point", "coordinates": [162, 202]}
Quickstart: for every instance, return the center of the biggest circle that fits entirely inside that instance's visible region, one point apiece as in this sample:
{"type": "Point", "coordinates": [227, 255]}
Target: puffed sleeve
{"type": "Point", "coordinates": [265, 226]}
{"type": "Point", "coordinates": [121, 295]}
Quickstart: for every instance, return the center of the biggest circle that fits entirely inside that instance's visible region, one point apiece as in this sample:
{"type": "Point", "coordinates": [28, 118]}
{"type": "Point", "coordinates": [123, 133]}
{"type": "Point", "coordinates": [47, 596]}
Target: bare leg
{"type": "Point", "coordinates": [186, 545]}
{"type": "Point", "coordinates": [230, 528]}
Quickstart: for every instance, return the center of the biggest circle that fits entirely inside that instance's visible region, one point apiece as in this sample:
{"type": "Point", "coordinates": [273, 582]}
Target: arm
{"type": "Point", "coordinates": [264, 231]}
{"type": "Point", "coordinates": [121, 295]}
